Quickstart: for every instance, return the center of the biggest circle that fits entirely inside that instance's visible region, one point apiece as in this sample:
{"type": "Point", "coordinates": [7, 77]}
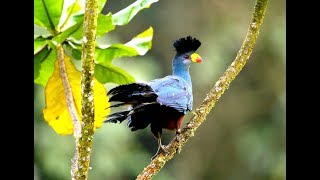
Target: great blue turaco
{"type": "Point", "coordinates": [161, 103]}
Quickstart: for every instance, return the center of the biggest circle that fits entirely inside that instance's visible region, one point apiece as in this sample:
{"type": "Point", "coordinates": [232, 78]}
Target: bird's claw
{"type": "Point", "coordinates": [161, 148]}
{"type": "Point", "coordinates": [178, 132]}
{"type": "Point", "coordinates": [178, 138]}
{"type": "Point", "coordinates": [164, 149]}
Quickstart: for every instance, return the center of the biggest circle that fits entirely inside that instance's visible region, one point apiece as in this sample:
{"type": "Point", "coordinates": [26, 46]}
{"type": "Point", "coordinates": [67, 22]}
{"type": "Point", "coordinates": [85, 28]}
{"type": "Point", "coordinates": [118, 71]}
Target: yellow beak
{"type": "Point", "coordinates": [196, 58]}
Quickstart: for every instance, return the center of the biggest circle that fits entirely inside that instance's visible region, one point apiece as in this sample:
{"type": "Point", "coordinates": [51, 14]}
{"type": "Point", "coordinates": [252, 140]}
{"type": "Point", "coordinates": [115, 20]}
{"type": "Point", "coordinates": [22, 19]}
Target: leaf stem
{"type": "Point", "coordinates": [68, 93]}
{"type": "Point", "coordinates": [213, 96]}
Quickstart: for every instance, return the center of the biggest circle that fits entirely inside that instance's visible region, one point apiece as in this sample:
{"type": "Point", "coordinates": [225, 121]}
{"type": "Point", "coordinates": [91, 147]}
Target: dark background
{"type": "Point", "coordinates": [244, 136]}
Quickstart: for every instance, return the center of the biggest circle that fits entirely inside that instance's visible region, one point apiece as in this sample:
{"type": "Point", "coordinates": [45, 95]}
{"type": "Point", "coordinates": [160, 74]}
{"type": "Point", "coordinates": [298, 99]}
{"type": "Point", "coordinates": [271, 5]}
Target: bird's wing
{"type": "Point", "coordinates": [174, 92]}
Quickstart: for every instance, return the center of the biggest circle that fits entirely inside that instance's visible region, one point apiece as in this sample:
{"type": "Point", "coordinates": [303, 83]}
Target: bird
{"type": "Point", "coordinates": [161, 103]}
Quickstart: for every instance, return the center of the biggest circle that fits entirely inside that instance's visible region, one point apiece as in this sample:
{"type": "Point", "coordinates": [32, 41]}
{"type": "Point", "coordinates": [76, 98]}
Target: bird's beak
{"type": "Point", "coordinates": [196, 58]}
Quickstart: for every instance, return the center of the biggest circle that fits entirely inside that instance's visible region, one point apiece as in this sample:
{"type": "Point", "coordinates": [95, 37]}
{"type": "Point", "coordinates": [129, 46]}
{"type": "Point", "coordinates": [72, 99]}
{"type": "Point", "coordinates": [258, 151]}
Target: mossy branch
{"type": "Point", "coordinates": [81, 159]}
{"type": "Point", "coordinates": [213, 96]}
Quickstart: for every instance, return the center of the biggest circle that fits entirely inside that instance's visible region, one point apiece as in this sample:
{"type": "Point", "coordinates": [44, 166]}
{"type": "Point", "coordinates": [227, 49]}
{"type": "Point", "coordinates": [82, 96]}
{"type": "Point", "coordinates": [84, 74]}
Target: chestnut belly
{"type": "Point", "coordinates": [171, 119]}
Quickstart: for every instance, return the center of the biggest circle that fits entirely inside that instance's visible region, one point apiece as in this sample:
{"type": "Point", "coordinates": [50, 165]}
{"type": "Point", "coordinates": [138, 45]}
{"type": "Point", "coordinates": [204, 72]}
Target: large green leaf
{"type": "Point", "coordinates": [39, 44]}
{"type": "Point", "coordinates": [47, 13]}
{"type": "Point", "coordinates": [125, 15]}
{"type": "Point", "coordinates": [139, 45]}
{"type": "Point", "coordinates": [44, 65]}
{"type": "Point", "coordinates": [104, 25]}
{"type": "Point", "coordinates": [71, 8]}
{"type": "Point", "coordinates": [112, 74]}
{"type": "Point", "coordinates": [105, 56]}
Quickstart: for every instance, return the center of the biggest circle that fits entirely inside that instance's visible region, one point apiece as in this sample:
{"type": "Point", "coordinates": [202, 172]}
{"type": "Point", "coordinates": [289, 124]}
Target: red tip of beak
{"type": "Point", "coordinates": [199, 60]}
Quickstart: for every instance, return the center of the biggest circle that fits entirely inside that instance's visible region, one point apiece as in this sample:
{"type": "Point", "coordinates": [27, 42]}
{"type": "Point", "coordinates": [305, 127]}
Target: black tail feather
{"type": "Point", "coordinates": [142, 99]}
{"type": "Point", "coordinates": [133, 93]}
{"type": "Point", "coordinates": [118, 116]}
{"type": "Point", "coordinates": [116, 105]}
{"type": "Point", "coordinates": [130, 88]}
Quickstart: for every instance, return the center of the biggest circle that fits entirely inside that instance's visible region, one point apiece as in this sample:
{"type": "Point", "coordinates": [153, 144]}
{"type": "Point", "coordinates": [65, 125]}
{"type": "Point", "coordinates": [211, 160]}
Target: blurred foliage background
{"type": "Point", "coordinates": [244, 136]}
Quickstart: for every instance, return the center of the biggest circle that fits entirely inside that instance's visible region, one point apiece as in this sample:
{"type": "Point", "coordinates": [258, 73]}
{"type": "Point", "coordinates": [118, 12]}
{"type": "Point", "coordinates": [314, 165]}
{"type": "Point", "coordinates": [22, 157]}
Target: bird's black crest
{"type": "Point", "coordinates": [187, 44]}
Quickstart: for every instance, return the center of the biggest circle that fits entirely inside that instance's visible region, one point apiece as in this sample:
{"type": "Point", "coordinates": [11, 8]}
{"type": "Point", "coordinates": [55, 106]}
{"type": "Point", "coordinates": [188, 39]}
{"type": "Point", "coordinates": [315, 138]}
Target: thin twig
{"type": "Point", "coordinates": [213, 96]}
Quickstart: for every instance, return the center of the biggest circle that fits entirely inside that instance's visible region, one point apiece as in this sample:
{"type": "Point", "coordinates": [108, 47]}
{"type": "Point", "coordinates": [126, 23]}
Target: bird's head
{"type": "Point", "coordinates": [186, 48]}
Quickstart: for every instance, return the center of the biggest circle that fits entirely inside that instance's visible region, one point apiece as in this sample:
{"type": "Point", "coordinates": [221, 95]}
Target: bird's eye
{"type": "Point", "coordinates": [186, 56]}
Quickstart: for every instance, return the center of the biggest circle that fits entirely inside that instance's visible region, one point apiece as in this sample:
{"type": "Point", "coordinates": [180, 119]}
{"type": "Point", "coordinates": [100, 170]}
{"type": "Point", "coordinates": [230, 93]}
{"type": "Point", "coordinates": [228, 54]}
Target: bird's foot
{"type": "Point", "coordinates": [164, 149]}
{"type": "Point", "coordinates": [161, 148]}
{"type": "Point", "coordinates": [178, 132]}
{"type": "Point", "coordinates": [178, 138]}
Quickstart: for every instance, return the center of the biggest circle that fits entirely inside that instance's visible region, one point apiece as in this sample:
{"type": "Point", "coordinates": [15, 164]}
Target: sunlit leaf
{"type": "Point", "coordinates": [47, 13]}
{"type": "Point", "coordinates": [101, 4]}
{"type": "Point", "coordinates": [105, 56]}
{"type": "Point", "coordinates": [104, 25]}
{"type": "Point", "coordinates": [64, 35]}
{"type": "Point", "coordinates": [139, 45]}
{"type": "Point", "coordinates": [73, 9]}
{"type": "Point", "coordinates": [143, 42]}
{"type": "Point", "coordinates": [44, 65]}
{"type": "Point", "coordinates": [39, 31]}
{"type": "Point", "coordinates": [125, 15]}
{"type": "Point", "coordinates": [112, 74]}
{"type": "Point", "coordinates": [39, 44]}
{"type": "Point", "coordinates": [56, 112]}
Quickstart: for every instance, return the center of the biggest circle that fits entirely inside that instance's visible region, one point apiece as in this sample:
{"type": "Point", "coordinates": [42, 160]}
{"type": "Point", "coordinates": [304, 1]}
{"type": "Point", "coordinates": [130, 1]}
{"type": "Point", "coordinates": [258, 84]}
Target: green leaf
{"type": "Point", "coordinates": [105, 56]}
{"type": "Point", "coordinates": [47, 13]}
{"type": "Point", "coordinates": [39, 31]}
{"type": "Point", "coordinates": [39, 44]}
{"type": "Point", "coordinates": [112, 74]}
{"type": "Point", "coordinates": [101, 4]}
{"type": "Point", "coordinates": [38, 58]}
{"type": "Point", "coordinates": [143, 42]}
{"type": "Point", "coordinates": [104, 25]}
{"type": "Point", "coordinates": [63, 36]}
{"type": "Point", "coordinates": [73, 51]}
{"type": "Point", "coordinates": [125, 15]}
{"type": "Point", "coordinates": [139, 45]}
{"type": "Point", "coordinates": [44, 66]}
{"type": "Point", "coordinates": [76, 54]}
{"type": "Point", "coordinates": [73, 8]}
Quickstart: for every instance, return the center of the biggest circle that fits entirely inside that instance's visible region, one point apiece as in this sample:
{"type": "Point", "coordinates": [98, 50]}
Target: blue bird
{"type": "Point", "coordinates": [163, 102]}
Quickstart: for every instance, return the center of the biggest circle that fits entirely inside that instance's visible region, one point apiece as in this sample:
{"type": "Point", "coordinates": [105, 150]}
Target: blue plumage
{"type": "Point", "coordinates": [173, 91]}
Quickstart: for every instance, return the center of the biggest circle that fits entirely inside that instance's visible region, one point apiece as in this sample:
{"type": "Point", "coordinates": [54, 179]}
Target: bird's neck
{"type": "Point", "coordinates": [182, 70]}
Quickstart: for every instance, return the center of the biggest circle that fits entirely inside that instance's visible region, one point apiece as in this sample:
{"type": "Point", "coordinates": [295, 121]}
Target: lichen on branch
{"type": "Point", "coordinates": [81, 160]}
{"type": "Point", "coordinates": [213, 96]}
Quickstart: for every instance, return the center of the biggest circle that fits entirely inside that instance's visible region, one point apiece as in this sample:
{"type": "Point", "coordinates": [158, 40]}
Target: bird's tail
{"type": "Point", "coordinates": [138, 95]}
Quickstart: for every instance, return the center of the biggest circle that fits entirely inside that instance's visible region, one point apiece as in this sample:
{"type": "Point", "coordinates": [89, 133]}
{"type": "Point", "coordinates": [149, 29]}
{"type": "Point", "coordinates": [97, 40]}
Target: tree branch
{"type": "Point", "coordinates": [213, 96]}
{"type": "Point", "coordinates": [81, 159]}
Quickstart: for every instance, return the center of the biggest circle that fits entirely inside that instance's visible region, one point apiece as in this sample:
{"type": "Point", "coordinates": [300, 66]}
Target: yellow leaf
{"type": "Point", "coordinates": [56, 112]}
